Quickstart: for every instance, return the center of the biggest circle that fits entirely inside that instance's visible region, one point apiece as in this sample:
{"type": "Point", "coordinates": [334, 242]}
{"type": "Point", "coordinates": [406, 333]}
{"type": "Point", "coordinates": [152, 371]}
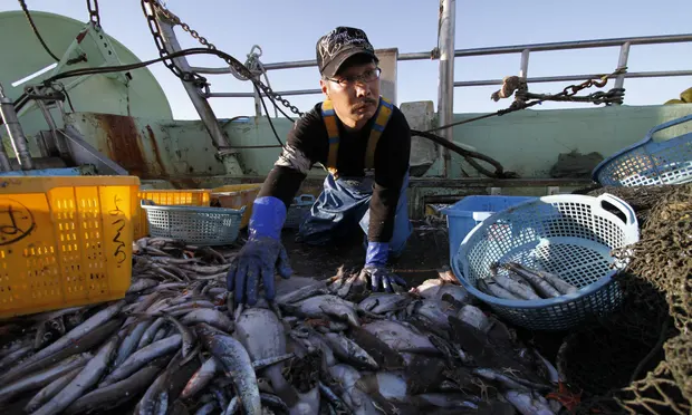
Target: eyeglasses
{"type": "Point", "coordinates": [368, 76]}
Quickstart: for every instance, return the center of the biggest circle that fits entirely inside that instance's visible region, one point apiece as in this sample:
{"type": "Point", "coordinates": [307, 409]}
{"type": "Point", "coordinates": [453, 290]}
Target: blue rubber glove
{"type": "Point", "coordinates": [261, 255]}
{"type": "Point", "coordinates": [375, 271]}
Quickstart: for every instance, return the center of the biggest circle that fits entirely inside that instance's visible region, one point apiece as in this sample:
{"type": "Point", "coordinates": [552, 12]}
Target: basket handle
{"type": "Point", "coordinates": [305, 198]}
{"type": "Point", "coordinates": [666, 125]}
{"type": "Point", "coordinates": [631, 220]}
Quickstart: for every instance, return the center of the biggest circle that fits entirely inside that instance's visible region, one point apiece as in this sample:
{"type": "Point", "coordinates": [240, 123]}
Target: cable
{"type": "Point", "coordinates": [36, 32]}
{"type": "Point", "coordinates": [268, 116]}
{"type": "Point", "coordinates": [469, 156]}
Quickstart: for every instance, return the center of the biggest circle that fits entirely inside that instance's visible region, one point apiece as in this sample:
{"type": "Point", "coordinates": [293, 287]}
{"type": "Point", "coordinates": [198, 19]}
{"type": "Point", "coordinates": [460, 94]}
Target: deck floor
{"type": "Point", "coordinates": [426, 252]}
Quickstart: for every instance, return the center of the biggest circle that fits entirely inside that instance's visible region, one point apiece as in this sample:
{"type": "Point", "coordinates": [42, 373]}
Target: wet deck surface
{"type": "Point", "coordinates": [426, 252]}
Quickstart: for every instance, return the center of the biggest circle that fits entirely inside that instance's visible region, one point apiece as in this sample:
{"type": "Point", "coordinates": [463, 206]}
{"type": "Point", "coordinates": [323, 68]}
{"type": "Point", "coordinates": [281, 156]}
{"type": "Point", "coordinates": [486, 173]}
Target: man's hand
{"type": "Point", "coordinates": [259, 258]}
{"type": "Point", "coordinates": [380, 278]}
{"type": "Point", "coordinates": [261, 255]}
{"type": "Point", "coordinates": [375, 272]}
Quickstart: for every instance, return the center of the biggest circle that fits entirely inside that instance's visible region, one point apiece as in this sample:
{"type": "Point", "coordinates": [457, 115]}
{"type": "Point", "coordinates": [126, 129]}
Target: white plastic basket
{"type": "Point", "coordinates": [569, 235]}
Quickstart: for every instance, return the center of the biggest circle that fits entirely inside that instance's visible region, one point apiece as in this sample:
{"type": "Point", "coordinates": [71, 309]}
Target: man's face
{"type": "Point", "coordinates": [354, 92]}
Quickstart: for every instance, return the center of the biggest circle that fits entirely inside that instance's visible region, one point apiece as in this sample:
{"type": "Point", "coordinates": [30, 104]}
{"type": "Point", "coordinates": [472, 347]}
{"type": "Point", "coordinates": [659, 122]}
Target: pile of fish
{"type": "Point", "coordinates": [517, 282]}
{"type": "Point", "coordinates": [176, 344]}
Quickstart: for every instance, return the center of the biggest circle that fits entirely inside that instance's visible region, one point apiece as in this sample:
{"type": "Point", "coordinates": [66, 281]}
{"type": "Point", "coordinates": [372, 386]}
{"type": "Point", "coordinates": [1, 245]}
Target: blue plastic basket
{"type": "Point", "coordinates": [192, 224]}
{"type": "Point", "coordinates": [649, 162]}
{"type": "Point", "coordinates": [569, 235]}
{"type": "Point", "coordinates": [298, 211]}
{"type": "Point", "coordinates": [464, 215]}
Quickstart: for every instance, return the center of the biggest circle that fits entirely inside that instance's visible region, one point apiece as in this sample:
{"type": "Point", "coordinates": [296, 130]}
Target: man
{"type": "Point", "coordinates": [364, 142]}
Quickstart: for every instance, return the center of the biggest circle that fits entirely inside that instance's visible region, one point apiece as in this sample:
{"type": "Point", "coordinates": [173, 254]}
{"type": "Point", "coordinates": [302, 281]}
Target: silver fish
{"type": "Point", "coordinates": [14, 357]}
{"type": "Point", "coordinates": [561, 285]}
{"type": "Point", "coordinates": [326, 306]}
{"type": "Point", "coordinates": [201, 378]}
{"type": "Point", "coordinates": [111, 396]}
{"type": "Point", "coordinates": [385, 302]}
{"type": "Point", "coordinates": [517, 286]}
{"type": "Point", "coordinates": [42, 378]}
{"type": "Point", "coordinates": [391, 385]}
{"type": "Point", "coordinates": [511, 382]}
{"type": "Point", "coordinates": [48, 392]}
{"type": "Point", "coordinates": [398, 336]}
{"type": "Point", "coordinates": [312, 340]}
{"type": "Point", "coordinates": [130, 341]}
{"type": "Point", "coordinates": [263, 336]}
{"type": "Point", "coordinates": [208, 408]}
{"type": "Point", "coordinates": [142, 284]}
{"type": "Point", "coordinates": [308, 403]}
{"type": "Point", "coordinates": [86, 379]}
{"type": "Point", "coordinates": [542, 287]}
{"type": "Point", "coordinates": [347, 377]}
{"type": "Point", "coordinates": [528, 403]}
{"type": "Point", "coordinates": [349, 351]}
{"type": "Point", "coordinates": [142, 357]}
{"type": "Point", "coordinates": [71, 337]}
{"type": "Point", "coordinates": [434, 312]}
{"type": "Point", "coordinates": [551, 371]}
{"type": "Point", "coordinates": [211, 317]}
{"type": "Point", "coordinates": [494, 289]}
{"type": "Point", "coordinates": [474, 317]}
{"type": "Point", "coordinates": [187, 337]}
{"type": "Point", "coordinates": [150, 332]}
{"type": "Point", "coordinates": [446, 400]}
{"type": "Point", "coordinates": [236, 363]}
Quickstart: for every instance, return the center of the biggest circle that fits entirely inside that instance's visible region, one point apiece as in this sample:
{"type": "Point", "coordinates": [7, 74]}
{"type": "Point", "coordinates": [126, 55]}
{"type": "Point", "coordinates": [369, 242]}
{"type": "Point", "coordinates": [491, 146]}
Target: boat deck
{"type": "Point", "coordinates": [426, 252]}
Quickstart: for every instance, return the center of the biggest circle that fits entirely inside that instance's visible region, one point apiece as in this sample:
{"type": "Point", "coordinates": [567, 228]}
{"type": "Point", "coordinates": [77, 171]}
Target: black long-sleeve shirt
{"type": "Point", "coordinates": [307, 144]}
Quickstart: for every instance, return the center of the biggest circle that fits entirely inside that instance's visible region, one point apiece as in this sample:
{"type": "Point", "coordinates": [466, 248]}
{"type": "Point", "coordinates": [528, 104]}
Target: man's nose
{"type": "Point", "coordinates": [362, 89]}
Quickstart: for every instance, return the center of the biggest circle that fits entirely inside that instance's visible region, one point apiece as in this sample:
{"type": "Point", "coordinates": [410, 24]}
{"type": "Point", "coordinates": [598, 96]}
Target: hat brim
{"type": "Point", "coordinates": [333, 67]}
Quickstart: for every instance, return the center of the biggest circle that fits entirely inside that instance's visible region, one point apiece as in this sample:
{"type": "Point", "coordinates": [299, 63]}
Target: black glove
{"type": "Point", "coordinates": [262, 255]}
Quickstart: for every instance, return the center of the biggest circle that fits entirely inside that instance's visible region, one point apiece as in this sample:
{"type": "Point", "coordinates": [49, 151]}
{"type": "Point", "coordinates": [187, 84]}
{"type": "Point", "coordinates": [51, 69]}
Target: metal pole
{"type": "Point", "coordinates": [201, 105]}
{"type": "Point", "coordinates": [622, 63]}
{"type": "Point", "coordinates": [524, 64]}
{"type": "Point", "coordinates": [17, 138]}
{"type": "Point", "coordinates": [446, 45]}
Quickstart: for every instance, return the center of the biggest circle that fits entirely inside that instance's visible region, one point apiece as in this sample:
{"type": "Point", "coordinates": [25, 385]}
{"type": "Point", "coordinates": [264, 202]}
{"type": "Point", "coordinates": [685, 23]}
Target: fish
{"type": "Point", "coordinates": [142, 357]}
{"type": "Point", "coordinates": [71, 337]}
{"type": "Point", "coordinates": [494, 289]}
{"type": "Point", "coordinates": [528, 403]}
{"type": "Point", "coordinates": [350, 352]}
{"type": "Point", "coordinates": [88, 377]}
{"type": "Point", "coordinates": [15, 356]}
{"type": "Point", "coordinates": [210, 316]}
{"type": "Point", "coordinates": [47, 393]}
{"type": "Point", "coordinates": [325, 306]}
{"type": "Point", "coordinates": [130, 342]}
{"type": "Point", "coordinates": [236, 363]}
{"type": "Point", "coordinates": [149, 333]}
{"type": "Point", "coordinates": [474, 317]}
{"type": "Point", "coordinates": [42, 378]}
{"type": "Point", "coordinates": [201, 378]}
{"type": "Point", "coordinates": [391, 385]}
{"type": "Point", "coordinates": [399, 337]}
{"type": "Point", "coordinates": [263, 336]}
{"type": "Point", "coordinates": [516, 285]}
{"type": "Point", "coordinates": [347, 377]}
{"type": "Point", "coordinates": [561, 285]}
{"type": "Point", "coordinates": [381, 303]}
{"type": "Point", "coordinates": [113, 395]}
{"type": "Point", "coordinates": [542, 287]}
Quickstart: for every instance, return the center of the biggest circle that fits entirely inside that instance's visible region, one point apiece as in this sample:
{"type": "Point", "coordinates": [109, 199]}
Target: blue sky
{"type": "Point", "coordinates": [288, 30]}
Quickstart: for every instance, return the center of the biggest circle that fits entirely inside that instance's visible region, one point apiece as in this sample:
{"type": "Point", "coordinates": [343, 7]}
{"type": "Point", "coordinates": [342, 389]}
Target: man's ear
{"type": "Point", "coordinates": [323, 87]}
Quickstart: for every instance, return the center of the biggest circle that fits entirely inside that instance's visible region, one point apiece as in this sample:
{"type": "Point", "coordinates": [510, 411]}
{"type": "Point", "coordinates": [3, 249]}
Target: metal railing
{"type": "Point", "coordinates": [446, 53]}
{"type": "Point", "coordinates": [524, 50]}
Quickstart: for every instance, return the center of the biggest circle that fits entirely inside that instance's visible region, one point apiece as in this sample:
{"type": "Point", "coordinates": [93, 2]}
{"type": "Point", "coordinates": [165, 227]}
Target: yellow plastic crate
{"type": "Point", "coordinates": [236, 196]}
{"type": "Point", "coordinates": [64, 241]}
{"type": "Point", "coordinates": [195, 197]}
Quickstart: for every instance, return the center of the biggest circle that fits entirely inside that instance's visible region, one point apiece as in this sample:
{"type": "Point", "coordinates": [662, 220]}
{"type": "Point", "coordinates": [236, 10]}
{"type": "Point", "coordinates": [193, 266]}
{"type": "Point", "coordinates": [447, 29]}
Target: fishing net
{"type": "Point", "coordinates": [638, 360]}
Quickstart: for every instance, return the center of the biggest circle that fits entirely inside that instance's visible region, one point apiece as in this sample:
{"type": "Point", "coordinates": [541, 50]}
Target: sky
{"type": "Point", "coordinates": [288, 30]}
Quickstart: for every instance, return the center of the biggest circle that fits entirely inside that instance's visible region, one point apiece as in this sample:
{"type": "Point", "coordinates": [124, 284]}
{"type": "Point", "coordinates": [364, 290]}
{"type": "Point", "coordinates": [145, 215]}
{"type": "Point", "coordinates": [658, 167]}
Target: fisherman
{"type": "Point", "coordinates": [364, 142]}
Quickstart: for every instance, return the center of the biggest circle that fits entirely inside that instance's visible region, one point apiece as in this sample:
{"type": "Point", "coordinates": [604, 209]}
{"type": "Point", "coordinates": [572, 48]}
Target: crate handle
{"type": "Point", "coordinates": [631, 220]}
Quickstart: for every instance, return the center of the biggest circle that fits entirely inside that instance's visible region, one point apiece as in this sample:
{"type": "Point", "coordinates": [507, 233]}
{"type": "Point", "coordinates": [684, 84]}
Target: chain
{"type": "Point", "coordinates": [150, 14]}
{"type": "Point", "coordinates": [94, 12]}
{"type": "Point", "coordinates": [235, 65]}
